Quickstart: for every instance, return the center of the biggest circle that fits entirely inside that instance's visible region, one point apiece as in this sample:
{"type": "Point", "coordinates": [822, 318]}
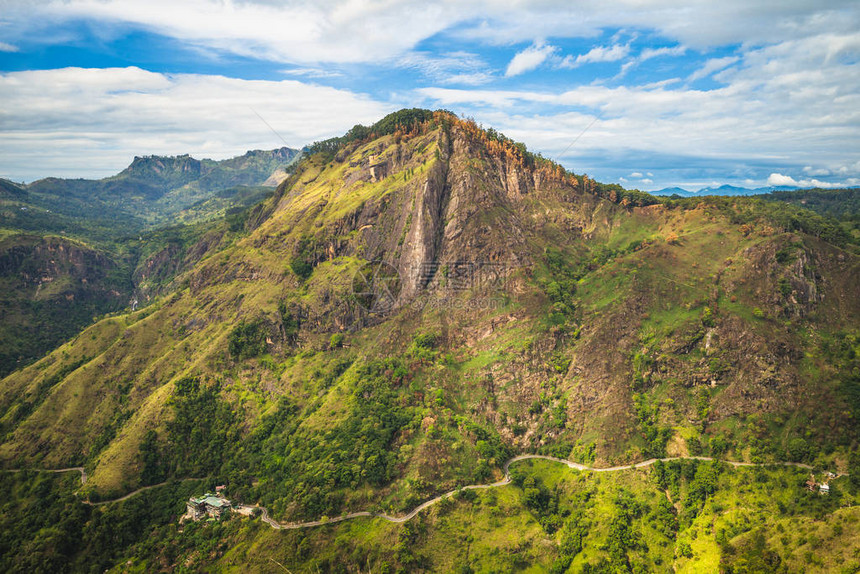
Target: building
{"type": "Point", "coordinates": [208, 505]}
{"type": "Point", "coordinates": [824, 488]}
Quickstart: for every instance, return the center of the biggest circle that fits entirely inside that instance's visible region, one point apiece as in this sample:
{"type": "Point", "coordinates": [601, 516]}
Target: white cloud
{"type": "Point", "coordinates": [781, 106]}
{"type": "Point", "coordinates": [312, 73]}
{"type": "Point", "coordinates": [457, 67]}
{"type": "Point", "coordinates": [4, 47]}
{"type": "Point", "coordinates": [474, 79]}
{"type": "Point", "coordinates": [649, 53]}
{"type": "Point", "coordinates": [371, 31]}
{"type": "Point", "coordinates": [598, 54]}
{"type": "Point", "coordinates": [66, 122]}
{"type": "Point", "coordinates": [700, 25]}
{"type": "Point", "coordinates": [345, 31]}
{"type": "Point", "coordinates": [636, 174]}
{"type": "Point", "coordinates": [711, 66]}
{"type": "Point", "coordinates": [815, 171]}
{"type": "Point", "coordinates": [777, 179]}
{"type": "Point", "coordinates": [660, 84]}
{"type": "Point", "coordinates": [529, 59]}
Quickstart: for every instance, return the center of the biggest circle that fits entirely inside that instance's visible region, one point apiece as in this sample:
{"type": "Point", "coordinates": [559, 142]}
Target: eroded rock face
{"type": "Point", "coordinates": [784, 277]}
{"type": "Point", "coordinates": [440, 201]}
{"type": "Point", "coordinates": [36, 260]}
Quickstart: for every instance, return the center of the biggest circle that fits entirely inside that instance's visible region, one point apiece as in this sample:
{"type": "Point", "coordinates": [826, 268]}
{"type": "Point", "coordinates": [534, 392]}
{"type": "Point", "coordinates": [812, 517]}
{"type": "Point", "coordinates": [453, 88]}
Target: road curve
{"type": "Point", "coordinates": [136, 492]}
{"type": "Point", "coordinates": [264, 513]}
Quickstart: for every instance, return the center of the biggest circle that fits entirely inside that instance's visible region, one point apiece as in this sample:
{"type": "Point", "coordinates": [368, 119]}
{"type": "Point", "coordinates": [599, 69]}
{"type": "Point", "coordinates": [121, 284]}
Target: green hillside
{"type": "Point", "coordinates": [525, 309]}
{"type": "Point", "coordinates": [842, 205]}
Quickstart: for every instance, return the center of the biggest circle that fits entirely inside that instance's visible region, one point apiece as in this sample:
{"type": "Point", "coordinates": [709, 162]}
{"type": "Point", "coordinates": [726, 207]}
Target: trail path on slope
{"type": "Point", "coordinates": [264, 512]}
{"type": "Point", "coordinates": [138, 491]}
{"type": "Point", "coordinates": [84, 478]}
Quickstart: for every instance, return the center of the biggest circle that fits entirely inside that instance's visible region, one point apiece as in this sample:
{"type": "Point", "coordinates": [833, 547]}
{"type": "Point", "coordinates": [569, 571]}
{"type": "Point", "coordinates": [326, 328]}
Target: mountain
{"type": "Point", "coordinates": [420, 301]}
{"type": "Point", "coordinates": [11, 190]}
{"type": "Point", "coordinates": [674, 191]}
{"type": "Point", "coordinates": [152, 191]}
{"type": "Point", "coordinates": [728, 190]}
{"type": "Point", "coordinates": [72, 250]}
{"type": "Point", "coordinates": [167, 173]}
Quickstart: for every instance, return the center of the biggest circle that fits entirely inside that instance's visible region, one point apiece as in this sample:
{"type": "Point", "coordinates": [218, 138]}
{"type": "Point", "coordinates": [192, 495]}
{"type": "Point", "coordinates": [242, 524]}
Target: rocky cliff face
{"type": "Point", "coordinates": [35, 261]}
{"type": "Point", "coordinates": [164, 167]}
{"type": "Point", "coordinates": [423, 204]}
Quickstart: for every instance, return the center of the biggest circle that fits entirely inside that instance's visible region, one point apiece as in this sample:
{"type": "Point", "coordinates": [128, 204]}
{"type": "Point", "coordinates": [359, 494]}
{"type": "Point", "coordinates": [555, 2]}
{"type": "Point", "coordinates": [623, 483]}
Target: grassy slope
{"type": "Point", "coordinates": [508, 530]}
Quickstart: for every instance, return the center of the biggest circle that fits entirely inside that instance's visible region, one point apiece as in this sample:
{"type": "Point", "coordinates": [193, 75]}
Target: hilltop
{"type": "Point", "coordinates": [522, 308]}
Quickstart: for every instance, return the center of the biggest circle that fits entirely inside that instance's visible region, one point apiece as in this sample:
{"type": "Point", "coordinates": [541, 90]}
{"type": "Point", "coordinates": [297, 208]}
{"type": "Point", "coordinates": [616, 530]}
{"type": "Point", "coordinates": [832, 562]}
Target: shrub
{"type": "Point", "coordinates": [302, 263]}
{"type": "Point", "coordinates": [336, 341]}
{"type": "Point", "coordinates": [708, 318]}
{"type": "Point", "coordinates": [290, 323]}
{"type": "Point", "coordinates": [248, 339]}
{"type": "Point", "coordinates": [301, 268]}
{"type": "Point", "coordinates": [798, 450]}
{"type": "Point", "coordinates": [423, 347]}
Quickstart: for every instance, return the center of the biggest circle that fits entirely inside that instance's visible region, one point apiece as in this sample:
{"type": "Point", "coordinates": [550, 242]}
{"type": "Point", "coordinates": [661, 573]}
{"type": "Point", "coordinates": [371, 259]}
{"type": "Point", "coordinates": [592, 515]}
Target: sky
{"type": "Point", "coordinates": [646, 93]}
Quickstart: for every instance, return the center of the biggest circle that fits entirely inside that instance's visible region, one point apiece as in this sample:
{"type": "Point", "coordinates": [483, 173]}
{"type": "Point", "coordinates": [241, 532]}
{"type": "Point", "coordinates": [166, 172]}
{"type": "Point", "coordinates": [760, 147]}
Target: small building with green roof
{"type": "Point", "coordinates": [209, 504]}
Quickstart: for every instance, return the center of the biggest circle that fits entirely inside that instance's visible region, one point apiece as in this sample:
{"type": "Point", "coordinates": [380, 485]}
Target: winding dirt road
{"type": "Point", "coordinates": [264, 512]}
{"type": "Point", "coordinates": [136, 492]}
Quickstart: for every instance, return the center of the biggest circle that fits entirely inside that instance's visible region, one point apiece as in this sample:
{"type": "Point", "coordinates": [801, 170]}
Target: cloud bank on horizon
{"type": "Point", "coordinates": [748, 93]}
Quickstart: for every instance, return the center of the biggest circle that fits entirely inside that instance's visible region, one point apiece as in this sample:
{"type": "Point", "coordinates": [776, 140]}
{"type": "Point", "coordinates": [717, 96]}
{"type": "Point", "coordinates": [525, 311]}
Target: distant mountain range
{"type": "Point", "coordinates": [723, 190]}
{"type": "Point", "coordinates": [153, 190]}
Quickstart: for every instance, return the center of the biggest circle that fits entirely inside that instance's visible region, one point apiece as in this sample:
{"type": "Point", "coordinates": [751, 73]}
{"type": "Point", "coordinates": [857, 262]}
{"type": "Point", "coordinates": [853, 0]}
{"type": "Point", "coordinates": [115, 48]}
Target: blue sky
{"type": "Point", "coordinates": [746, 93]}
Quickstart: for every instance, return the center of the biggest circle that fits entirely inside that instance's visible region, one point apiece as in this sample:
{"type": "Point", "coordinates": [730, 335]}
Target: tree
{"type": "Point", "coordinates": [153, 471]}
{"type": "Point", "coordinates": [248, 339]}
